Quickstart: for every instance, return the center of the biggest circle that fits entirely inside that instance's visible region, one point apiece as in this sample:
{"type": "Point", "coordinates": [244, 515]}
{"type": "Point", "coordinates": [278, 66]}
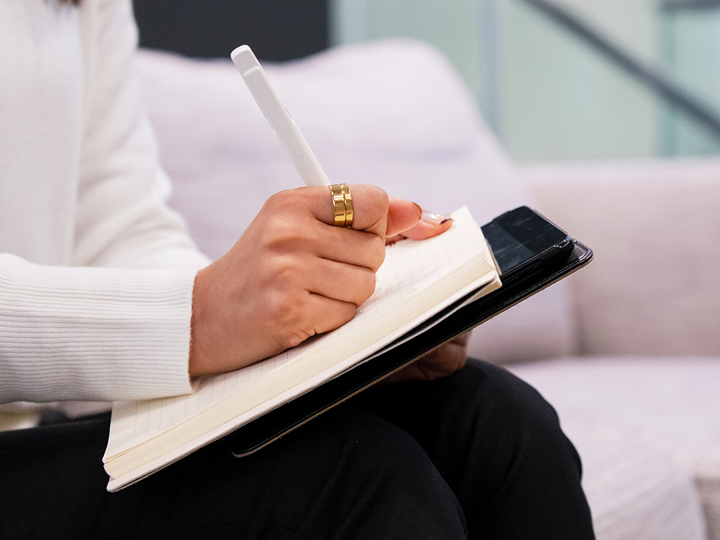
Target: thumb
{"type": "Point", "coordinates": [402, 215]}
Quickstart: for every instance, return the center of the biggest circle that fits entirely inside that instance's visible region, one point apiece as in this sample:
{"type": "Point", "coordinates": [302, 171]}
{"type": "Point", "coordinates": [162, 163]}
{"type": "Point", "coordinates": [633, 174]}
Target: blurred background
{"type": "Point", "coordinates": [555, 80]}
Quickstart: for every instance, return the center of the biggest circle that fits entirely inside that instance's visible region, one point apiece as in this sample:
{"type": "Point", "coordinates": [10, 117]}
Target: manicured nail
{"type": "Point", "coordinates": [436, 219]}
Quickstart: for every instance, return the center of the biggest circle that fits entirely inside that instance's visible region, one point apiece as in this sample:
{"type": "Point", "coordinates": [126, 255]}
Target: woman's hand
{"type": "Point", "coordinates": [443, 361]}
{"type": "Point", "coordinates": [291, 275]}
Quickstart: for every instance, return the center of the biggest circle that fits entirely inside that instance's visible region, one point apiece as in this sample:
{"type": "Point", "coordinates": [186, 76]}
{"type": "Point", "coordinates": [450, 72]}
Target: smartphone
{"type": "Point", "coordinates": [525, 243]}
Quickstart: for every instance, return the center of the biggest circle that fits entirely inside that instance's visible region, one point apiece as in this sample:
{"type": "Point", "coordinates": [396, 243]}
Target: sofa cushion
{"type": "Point", "coordinates": [638, 423]}
{"type": "Point", "coordinates": [393, 113]}
{"type": "Point", "coordinates": [654, 287]}
{"type": "Point", "coordinates": [637, 492]}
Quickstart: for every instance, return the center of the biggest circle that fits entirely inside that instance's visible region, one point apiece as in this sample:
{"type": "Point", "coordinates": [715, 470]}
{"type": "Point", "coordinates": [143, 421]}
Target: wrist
{"type": "Point", "coordinates": [197, 359]}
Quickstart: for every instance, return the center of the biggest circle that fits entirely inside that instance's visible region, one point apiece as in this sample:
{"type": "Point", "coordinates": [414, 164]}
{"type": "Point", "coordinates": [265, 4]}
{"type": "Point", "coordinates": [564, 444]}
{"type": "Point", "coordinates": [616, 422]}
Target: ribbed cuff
{"type": "Point", "coordinates": [93, 333]}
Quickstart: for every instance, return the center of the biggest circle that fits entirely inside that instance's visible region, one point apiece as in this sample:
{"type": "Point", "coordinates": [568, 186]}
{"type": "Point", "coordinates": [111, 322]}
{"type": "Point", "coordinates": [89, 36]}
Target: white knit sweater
{"type": "Point", "coordinates": [96, 273]}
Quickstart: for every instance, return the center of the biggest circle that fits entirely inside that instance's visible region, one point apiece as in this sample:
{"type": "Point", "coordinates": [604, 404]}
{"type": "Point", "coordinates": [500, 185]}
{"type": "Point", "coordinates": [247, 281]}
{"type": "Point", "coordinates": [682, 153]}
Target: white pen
{"type": "Point", "coordinates": [278, 117]}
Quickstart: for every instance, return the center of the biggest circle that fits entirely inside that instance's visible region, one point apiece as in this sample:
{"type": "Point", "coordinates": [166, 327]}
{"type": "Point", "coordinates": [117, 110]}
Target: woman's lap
{"type": "Point", "coordinates": [391, 463]}
{"type": "Point", "coordinates": [498, 445]}
{"type": "Point", "coordinates": [345, 475]}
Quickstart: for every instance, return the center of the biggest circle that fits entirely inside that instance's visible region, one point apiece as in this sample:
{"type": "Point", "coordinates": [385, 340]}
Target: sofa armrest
{"type": "Point", "coordinates": [654, 287]}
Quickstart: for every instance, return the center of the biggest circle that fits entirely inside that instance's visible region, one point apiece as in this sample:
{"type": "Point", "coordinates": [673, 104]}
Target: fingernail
{"type": "Point", "coordinates": [436, 219]}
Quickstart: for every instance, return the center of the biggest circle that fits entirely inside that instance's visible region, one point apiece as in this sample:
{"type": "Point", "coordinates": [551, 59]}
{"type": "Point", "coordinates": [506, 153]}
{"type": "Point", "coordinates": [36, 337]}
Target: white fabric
{"type": "Point", "coordinates": [654, 286]}
{"type": "Point", "coordinates": [636, 492]}
{"type": "Point", "coordinates": [659, 417]}
{"type": "Point", "coordinates": [80, 185]}
{"type": "Point", "coordinates": [391, 113]}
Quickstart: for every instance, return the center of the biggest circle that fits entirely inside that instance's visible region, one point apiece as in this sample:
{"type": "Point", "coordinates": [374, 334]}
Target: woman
{"type": "Point", "coordinates": [104, 297]}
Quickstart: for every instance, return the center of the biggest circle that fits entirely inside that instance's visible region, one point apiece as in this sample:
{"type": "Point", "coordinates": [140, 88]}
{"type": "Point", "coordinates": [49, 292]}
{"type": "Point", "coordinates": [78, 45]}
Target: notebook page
{"type": "Point", "coordinates": [408, 268]}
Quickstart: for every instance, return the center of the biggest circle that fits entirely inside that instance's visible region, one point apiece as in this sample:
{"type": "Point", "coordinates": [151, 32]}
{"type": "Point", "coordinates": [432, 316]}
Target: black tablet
{"type": "Point", "coordinates": [532, 254]}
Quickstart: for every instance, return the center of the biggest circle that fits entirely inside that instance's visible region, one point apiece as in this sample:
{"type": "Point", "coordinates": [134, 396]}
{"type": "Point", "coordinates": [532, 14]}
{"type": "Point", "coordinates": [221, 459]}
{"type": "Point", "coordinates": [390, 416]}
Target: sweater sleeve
{"type": "Point", "coordinates": [92, 333]}
{"type": "Point", "coordinates": [122, 219]}
{"type": "Point", "coordinates": [115, 323]}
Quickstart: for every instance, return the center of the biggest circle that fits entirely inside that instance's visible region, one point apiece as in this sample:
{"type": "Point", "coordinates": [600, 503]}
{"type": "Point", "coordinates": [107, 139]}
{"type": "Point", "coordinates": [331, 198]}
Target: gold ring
{"type": "Point", "coordinates": [342, 205]}
{"type": "Point", "coordinates": [338, 199]}
{"type": "Point", "coordinates": [348, 205]}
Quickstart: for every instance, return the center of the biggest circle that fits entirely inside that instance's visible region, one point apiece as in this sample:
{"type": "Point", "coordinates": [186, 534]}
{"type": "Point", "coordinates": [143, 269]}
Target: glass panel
{"type": "Point", "coordinates": [691, 56]}
{"type": "Point", "coordinates": [560, 99]}
{"type": "Point", "coordinates": [550, 94]}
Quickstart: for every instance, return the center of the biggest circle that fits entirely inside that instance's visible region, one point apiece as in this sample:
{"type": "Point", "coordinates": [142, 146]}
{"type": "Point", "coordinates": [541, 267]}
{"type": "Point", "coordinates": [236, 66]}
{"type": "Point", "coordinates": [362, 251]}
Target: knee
{"type": "Point", "coordinates": [386, 458]}
{"type": "Point", "coordinates": [387, 472]}
{"type": "Point", "coordinates": [520, 420]}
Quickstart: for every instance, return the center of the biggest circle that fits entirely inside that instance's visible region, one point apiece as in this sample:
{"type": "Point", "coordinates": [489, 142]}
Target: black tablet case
{"type": "Point", "coordinates": [272, 425]}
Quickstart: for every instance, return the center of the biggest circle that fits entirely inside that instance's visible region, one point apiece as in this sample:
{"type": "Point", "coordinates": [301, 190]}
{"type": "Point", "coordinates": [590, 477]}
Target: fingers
{"type": "Point", "coordinates": [370, 207]}
{"type": "Point", "coordinates": [425, 229]}
{"type": "Point", "coordinates": [358, 248]}
{"type": "Point", "coordinates": [462, 340]}
{"type": "Point", "coordinates": [373, 210]}
{"type": "Point", "coordinates": [315, 314]}
{"type": "Point", "coordinates": [402, 215]}
{"type": "Point", "coordinates": [329, 314]}
{"type": "Point", "coordinates": [389, 218]}
{"type": "Point", "coordinates": [343, 282]}
{"type": "Point", "coordinates": [442, 362]}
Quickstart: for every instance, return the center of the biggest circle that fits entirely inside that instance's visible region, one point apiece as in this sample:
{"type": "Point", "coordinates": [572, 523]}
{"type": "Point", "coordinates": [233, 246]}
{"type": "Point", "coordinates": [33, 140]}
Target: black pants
{"type": "Point", "coordinates": [476, 455]}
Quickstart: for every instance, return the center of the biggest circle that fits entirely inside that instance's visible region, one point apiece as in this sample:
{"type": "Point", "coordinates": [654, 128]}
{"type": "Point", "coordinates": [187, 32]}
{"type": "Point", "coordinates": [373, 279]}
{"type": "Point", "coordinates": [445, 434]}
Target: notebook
{"type": "Point", "coordinates": [418, 281]}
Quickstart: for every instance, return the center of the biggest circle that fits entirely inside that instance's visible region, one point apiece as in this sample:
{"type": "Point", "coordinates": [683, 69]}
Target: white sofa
{"type": "Point", "coordinates": [641, 395]}
{"type": "Point", "coordinates": [628, 350]}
